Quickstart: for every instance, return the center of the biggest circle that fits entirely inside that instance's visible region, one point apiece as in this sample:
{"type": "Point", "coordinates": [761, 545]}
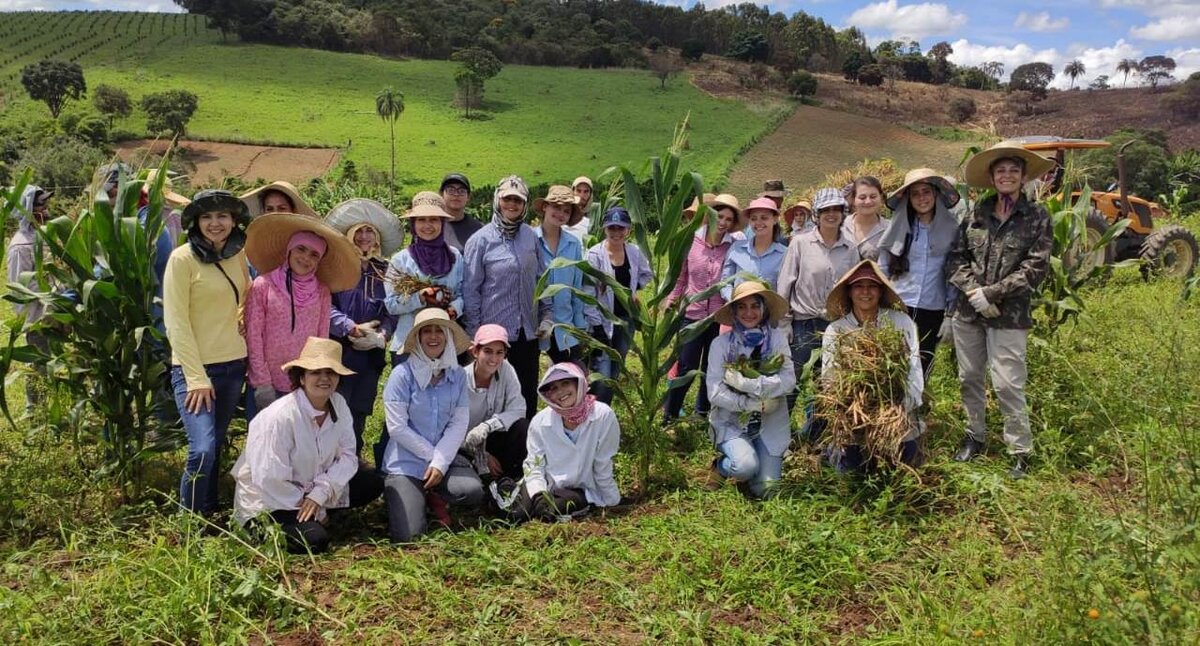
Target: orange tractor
{"type": "Point", "coordinates": [1166, 249]}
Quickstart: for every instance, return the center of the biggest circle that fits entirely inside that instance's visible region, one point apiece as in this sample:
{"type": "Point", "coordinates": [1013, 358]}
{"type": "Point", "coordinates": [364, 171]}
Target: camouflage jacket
{"type": "Point", "coordinates": [1007, 259]}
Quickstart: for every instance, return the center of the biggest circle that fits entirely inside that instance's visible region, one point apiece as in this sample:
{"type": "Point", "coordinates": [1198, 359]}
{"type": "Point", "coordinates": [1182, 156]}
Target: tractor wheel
{"type": "Point", "coordinates": [1096, 225]}
{"type": "Point", "coordinates": [1170, 251]}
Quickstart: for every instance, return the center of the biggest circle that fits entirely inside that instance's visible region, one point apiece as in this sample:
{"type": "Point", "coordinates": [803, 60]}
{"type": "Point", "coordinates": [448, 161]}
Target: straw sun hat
{"type": "Point", "coordinates": [254, 202]}
{"type": "Point", "coordinates": [926, 176]}
{"type": "Point", "coordinates": [363, 211]}
{"type": "Point", "coordinates": [267, 241]}
{"type": "Point", "coordinates": [978, 173]}
{"type": "Point", "coordinates": [559, 195]}
{"type": "Point", "coordinates": [427, 204]}
{"type": "Point", "coordinates": [838, 302]}
{"type": "Point", "coordinates": [436, 316]}
{"type": "Point", "coordinates": [319, 353]}
{"type": "Point", "coordinates": [776, 306]}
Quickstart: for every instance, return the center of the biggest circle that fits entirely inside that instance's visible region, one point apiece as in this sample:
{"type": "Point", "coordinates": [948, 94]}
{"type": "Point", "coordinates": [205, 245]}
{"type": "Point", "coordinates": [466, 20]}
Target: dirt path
{"type": "Point", "coordinates": [214, 161]}
{"type": "Point", "coordinates": [814, 142]}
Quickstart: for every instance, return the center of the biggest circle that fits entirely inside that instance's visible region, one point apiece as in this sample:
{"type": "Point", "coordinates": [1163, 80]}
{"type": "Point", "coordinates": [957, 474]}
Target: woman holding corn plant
{"type": "Point", "coordinates": [748, 378]}
{"type": "Point", "coordinates": [429, 273]}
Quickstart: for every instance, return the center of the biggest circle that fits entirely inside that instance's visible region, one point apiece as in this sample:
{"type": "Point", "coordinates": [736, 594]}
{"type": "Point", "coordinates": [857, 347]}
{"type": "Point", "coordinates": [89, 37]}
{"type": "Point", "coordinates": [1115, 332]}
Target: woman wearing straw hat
{"type": "Point", "coordinates": [749, 424]}
{"type": "Point", "coordinates": [427, 404]}
{"type": "Point", "coordinates": [300, 459]}
{"type": "Point", "coordinates": [863, 297]}
{"type": "Point", "coordinates": [701, 270]}
{"type": "Point", "coordinates": [626, 263]}
{"type": "Point", "coordinates": [276, 197]}
{"type": "Point", "coordinates": [1000, 256]}
{"type": "Point", "coordinates": [302, 261]}
{"type": "Point", "coordinates": [428, 260]}
{"type": "Point", "coordinates": [566, 308]}
{"type": "Point", "coordinates": [759, 256]}
{"type": "Point", "coordinates": [572, 443]}
{"type": "Point", "coordinates": [204, 287]}
{"type": "Point", "coordinates": [798, 218]}
{"type": "Point", "coordinates": [815, 260]}
{"type": "Point", "coordinates": [914, 248]}
{"type": "Point", "coordinates": [502, 269]}
{"type": "Point", "coordinates": [864, 226]}
{"type": "Point", "coordinates": [359, 318]}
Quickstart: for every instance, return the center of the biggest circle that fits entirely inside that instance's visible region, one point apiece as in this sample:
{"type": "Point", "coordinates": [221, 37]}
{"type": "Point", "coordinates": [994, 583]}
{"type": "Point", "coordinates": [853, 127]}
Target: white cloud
{"type": "Point", "coordinates": [1041, 22]}
{"type": "Point", "coordinates": [969, 54]}
{"type": "Point", "coordinates": [1096, 60]}
{"type": "Point", "coordinates": [912, 21]}
{"type": "Point", "coordinates": [1187, 61]}
{"type": "Point", "coordinates": [23, 5]}
{"type": "Point", "coordinates": [1173, 28]}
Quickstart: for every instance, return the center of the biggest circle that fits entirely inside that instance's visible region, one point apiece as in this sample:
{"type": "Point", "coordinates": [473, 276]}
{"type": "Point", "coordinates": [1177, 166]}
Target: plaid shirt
{"type": "Point", "coordinates": [1007, 259]}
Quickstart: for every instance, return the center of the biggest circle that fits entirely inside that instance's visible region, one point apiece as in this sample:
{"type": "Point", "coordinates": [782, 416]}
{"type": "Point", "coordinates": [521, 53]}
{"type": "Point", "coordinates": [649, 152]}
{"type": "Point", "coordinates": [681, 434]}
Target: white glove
{"type": "Point", "coordinates": [476, 437]}
{"type": "Point", "coordinates": [740, 382]}
{"type": "Point", "coordinates": [769, 405]}
{"type": "Point", "coordinates": [369, 326]}
{"type": "Point", "coordinates": [264, 395]}
{"type": "Point", "coordinates": [378, 339]}
{"type": "Point", "coordinates": [364, 342]}
{"type": "Point", "coordinates": [978, 300]}
{"type": "Point", "coordinates": [543, 329]}
{"type": "Point", "coordinates": [990, 312]}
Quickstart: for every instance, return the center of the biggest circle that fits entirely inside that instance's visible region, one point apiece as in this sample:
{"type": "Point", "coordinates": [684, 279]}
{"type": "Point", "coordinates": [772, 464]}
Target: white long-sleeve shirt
{"type": "Point", "coordinates": [553, 461]}
{"type": "Point", "coordinates": [288, 457]}
{"type": "Point", "coordinates": [728, 404]}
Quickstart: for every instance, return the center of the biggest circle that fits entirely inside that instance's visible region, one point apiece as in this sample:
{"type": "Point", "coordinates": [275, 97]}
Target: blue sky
{"type": "Point", "coordinates": [1099, 33]}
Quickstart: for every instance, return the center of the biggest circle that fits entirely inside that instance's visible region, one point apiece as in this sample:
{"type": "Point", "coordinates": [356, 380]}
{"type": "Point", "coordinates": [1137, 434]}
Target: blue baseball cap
{"type": "Point", "coordinates": [617, 217]}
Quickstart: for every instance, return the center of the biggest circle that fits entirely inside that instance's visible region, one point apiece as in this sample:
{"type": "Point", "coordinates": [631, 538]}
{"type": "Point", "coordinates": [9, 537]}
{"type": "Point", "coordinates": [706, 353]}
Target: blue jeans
{"type": "Point", "coordinates": [693, 355]}
{"type": "Point", "coordinates": [747, 460]}
{"type": "Point", "coordinates": [806, 339]}
{"type": "Point", "coordinates": [206, 432]}
{"type": "Point", "coordinates": [622, 338]}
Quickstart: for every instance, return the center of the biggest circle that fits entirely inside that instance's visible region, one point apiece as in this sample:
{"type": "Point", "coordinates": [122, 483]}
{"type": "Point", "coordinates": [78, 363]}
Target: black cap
{"type": "Point", "coordinates": [455, 178]}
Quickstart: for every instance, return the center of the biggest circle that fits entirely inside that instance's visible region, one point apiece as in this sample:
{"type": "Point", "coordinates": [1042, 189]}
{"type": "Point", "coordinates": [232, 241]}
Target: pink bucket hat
{"type": "Point", "coordinates": [489, 333]}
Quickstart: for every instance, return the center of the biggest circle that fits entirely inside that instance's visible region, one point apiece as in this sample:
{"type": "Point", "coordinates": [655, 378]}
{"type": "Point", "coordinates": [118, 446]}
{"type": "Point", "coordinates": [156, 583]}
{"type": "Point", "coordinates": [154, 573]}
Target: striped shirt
{"type": "Point", "coordinates": [499, 279]}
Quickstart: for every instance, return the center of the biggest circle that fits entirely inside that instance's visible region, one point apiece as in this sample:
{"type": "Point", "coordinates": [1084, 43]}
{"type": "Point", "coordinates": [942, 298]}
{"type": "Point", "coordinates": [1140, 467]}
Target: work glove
{"type": "Point", "coordinates": [264, 395]}
{"type": "Point", "coordinates": [990, 312]}
{"type": "Point", "coordinates": [476, 437]}
{"type": "Point", "coordinates": [740, 382]}
{"type": "Point", "coordinates": [946, 332]}
{"type": "Point", "coordinates": [364, 342]}
{"type": "Point", "coordinates": [543, 329]}
{"type": "Point", "coordinates": [979, 301]}
{"type": "Point", "coordinates": [769, 405]}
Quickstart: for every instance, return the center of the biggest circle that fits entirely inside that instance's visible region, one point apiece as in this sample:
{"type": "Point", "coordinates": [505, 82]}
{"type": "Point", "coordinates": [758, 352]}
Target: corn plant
{"type": "Point", "coordinates": [95, 276]}
{"type": "Point", "coordinates": [668, 189]}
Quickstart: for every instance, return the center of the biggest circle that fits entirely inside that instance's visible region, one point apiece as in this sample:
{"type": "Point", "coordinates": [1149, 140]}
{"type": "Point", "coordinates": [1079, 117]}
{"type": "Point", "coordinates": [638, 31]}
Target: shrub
{"type": "Point", "coordinates": [692, 50]}
{"type": "Point", "coordinates": [962, 108]}
{"type": "Point", "coordinates": [169, 111]}
{"type": "Point", "coordinates": [1184, 101]}
{"type": "Point", "coordinates": [871, 74]}
{"type": "Point", "coordinates": [62, 163]}
{"type": "Point", "coordinates": [802, 84]}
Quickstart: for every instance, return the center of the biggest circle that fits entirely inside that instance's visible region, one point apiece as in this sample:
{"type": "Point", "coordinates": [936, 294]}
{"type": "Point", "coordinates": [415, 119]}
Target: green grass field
{"type": "Point", "coordinates": [547, 124]}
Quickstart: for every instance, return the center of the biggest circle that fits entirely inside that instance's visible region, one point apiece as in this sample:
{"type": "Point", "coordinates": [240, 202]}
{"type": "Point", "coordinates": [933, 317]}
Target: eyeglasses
{"type": "Point", "coordinates": [456, 190]}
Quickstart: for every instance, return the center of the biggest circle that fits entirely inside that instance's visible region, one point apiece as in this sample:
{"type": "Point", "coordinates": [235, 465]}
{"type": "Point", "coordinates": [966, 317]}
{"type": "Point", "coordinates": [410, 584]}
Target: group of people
{"type": "Point", "coordinates": [293, 316]}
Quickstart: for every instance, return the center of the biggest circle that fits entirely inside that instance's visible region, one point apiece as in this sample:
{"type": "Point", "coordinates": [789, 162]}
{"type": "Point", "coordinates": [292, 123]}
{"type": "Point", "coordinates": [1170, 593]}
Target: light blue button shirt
{"type": "Point", "coordinates": [924, 285]}
{"type": "Point", "coordinates": [406, 307]}
{"type": "Point", "coordinates": [744, 257]}
{"type": "Point", "coordinates": [429, 415]}
{"type": "Point", "coordinates": [565, 307]}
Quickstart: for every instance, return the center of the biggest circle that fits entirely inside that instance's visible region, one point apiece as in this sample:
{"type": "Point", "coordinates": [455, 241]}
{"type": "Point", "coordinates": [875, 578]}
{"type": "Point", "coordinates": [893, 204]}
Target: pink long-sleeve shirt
{"type": "Point", "coordinates": [701, 270]}
{"type": "Point", "coordinates": [270, 341]}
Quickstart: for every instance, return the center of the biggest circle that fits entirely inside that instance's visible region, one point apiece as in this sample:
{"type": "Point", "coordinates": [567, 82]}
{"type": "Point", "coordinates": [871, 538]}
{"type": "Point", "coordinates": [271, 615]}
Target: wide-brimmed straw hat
{"type": "Point", "coordinates": [790, 213]}
{"type": "Point", "coordinates": [777, 308]}
{"type": "Point", "coordinates": [926, 176]}
{"type": "Point", "coordinates": [774, 188]}
{"type": "Point", "coordinates": [436, 316]}
{"type": "Point", "coordinates": [558, 195]}
{"type": "Point", "coordinates": [213, 199]}
{"type": "Point", "coordinates": [320, 353]}
{"type": "Point", "coordinates": [978, 173]}
{"type": "Point", "coordinates": [363, 211]}
{"type": "Point", "coordinates": [168, 190]}
{"type": "Point", "coordinates": [837, 304]}
{"type": "Point", "coordinates": [267, 244]}
{"type": "Point", "coordinates": [427, 204]}
{"type": "Point", "coordinates": [695, 205]}
{"type": "Point", "coordinates": [254, 202]}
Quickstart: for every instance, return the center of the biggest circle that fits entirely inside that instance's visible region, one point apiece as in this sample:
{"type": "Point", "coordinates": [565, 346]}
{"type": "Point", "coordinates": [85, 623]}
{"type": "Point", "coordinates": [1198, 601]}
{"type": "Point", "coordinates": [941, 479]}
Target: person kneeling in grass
{"type": "Point", "coordinates": [427, 404]}
{"type": "Point", "coordinates": [748, 378]}
{"type": "Point", "coordinates": [300, 460]}
{"type": "Point", "coordinates": [569, 466]}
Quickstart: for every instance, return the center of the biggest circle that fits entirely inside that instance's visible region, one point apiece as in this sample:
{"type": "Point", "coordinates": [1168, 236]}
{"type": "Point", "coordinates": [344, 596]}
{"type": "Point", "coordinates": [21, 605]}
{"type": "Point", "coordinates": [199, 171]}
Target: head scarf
{"type": "Point", "coordinates": [754, 338]}
{"type": "Point", "coordinates": [425, 369]}
{"type": "Point", "coordinates": [27, 225]}
{"type": "Point", "coordinates": [301, 290]}
{"type": "Point", "coordinates": [897, 238]}
{"type": "Point", "coordinates": [576, 413]}
{"type": "Point", "coordinates": [376, 251]}
{"type": "Point", "coordinates": [433, 257]}
{"type": "Point", "coordinates": [509, 229]}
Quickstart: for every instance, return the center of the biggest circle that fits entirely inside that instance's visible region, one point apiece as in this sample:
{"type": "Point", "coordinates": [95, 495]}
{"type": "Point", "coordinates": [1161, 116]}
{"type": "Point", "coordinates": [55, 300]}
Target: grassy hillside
{"type": "Point", "coordinates": [545, 123]}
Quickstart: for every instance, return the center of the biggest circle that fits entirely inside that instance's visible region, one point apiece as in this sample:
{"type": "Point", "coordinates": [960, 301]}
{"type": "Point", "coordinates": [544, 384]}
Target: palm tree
{"type": "Point", "coordinates": [389, 103]}
{"type": "Point", "coordinates": [1074, 69]}
{"type": "Point", "coordinates": [1126, 66]}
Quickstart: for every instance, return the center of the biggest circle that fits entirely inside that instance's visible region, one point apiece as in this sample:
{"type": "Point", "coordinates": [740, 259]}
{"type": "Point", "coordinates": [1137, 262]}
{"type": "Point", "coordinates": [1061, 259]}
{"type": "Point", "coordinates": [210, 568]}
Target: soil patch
{"type": "Point", "coordinates": [214, 161]}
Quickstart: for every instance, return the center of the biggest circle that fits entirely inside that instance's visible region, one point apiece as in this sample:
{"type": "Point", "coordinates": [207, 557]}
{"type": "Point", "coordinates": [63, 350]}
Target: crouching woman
{"type": "Point", "coordinates": [571, 446]}
{"type": "Point", "coordinates": [300, 460]}
{"type": "Point", "coordinates": [749, 376]}
{"type": "Point", "coordinates": [427, 404]}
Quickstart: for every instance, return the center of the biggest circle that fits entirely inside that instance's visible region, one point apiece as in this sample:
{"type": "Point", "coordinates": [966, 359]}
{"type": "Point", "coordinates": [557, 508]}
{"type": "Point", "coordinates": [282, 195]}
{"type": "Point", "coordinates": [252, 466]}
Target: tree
{"type": "Point", "coordinates": [1032, 78]}
{"type": "Point", "coordinates": [664, 68]}
{"type": "Point", "coordinates": [853, 63]}
{"type": "Point", "coordinates": [1156, 69]}
{"type": "Point", "coordinates": [1099, 83]}
{"type": "Point", "coordinates": [389, 103]}
{"type": "Point", "coordinates": [692, 50]}
{"type": "Point", "coordinates": [53, 83]}
{"type": "Point", "coordinates": [1126, 66]}
{"type": "Point", "coordinates": [749, 45]}
{"type": "Point", "coordinates": [1074, 70]}
{"type": "Point", "coordinates": [942, 68]}
{"type": "Point", "coordinates": [169, 111]}
{"type": "Point", "coordinates": [994, 69]}
{"type": "Point", "coordinates": [111, 102]}
{"type": "Point", "coordinates": [871, 75]}
{"type": "Point", "coordinates": [802, 84]}
{"type": "Point", "coordinates": [476, 66]}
